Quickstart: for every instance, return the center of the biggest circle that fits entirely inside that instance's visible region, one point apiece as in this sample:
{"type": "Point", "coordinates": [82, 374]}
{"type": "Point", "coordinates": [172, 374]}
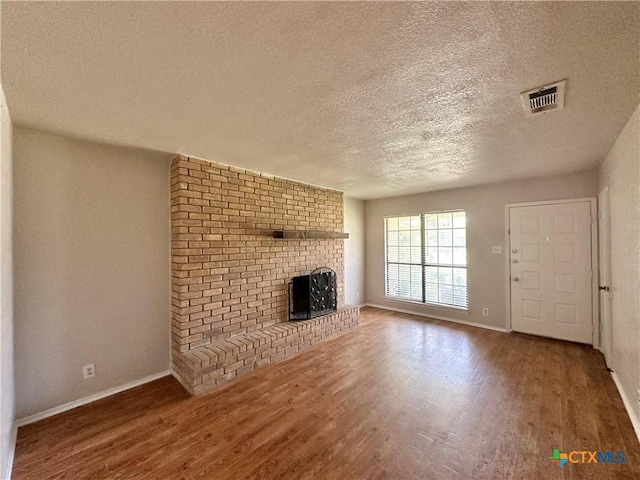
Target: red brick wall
{"type": "Point", "coordinates": [229, 276]}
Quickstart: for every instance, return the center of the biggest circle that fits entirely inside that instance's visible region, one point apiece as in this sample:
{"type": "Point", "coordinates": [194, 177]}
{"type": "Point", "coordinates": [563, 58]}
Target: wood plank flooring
{"type": "Point", "coordinates": [399, 397]}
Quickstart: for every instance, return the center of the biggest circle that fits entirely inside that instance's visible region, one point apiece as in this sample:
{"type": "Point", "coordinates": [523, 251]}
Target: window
{"type": "Point", "coordinates": [404, 257]}
{"type": "Point", "coordinates": [426, 258]}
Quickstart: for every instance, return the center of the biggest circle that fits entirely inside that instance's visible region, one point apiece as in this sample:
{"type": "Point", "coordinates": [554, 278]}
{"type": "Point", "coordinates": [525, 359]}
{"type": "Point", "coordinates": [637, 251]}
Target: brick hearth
{"type": "Point", "coordinates": [230, 276]}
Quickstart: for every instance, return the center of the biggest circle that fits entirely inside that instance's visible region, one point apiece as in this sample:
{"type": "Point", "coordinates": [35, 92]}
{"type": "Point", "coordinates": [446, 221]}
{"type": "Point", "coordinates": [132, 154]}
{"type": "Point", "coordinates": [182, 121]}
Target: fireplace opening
{"type": "Point", "coordinates": [313, 295]}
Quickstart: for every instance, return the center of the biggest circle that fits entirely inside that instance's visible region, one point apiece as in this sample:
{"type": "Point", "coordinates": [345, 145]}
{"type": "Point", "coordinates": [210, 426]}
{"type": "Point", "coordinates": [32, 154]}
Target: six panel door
{"type": "Point", "coordinates": [550, 270]}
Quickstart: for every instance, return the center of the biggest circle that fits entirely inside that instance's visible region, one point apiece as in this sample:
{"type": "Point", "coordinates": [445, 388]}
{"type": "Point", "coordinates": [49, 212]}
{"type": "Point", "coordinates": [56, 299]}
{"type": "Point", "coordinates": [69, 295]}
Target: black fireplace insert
{"type": "Point", "coordinates": [313, 295]}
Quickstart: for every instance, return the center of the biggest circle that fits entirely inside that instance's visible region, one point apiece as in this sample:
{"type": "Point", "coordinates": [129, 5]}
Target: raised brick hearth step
{"type": "Point", "coordinates": [229, 276]}
{"type": "Point", "coordinates": [217, 363]}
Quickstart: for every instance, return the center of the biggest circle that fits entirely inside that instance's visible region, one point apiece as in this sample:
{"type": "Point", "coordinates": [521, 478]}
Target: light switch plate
{"type": "Point", "coordinates": [497, 249]}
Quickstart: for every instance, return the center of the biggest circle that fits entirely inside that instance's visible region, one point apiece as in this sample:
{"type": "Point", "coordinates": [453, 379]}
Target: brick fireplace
{"type": "Point", "coordinates": [230, 275]}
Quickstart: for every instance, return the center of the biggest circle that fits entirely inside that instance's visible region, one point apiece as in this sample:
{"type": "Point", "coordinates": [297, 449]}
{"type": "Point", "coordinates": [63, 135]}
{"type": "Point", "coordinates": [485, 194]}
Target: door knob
{"type": "Point", "coordinates": [516, 279]}
{"type": "Point", "coordinates": [514, 261]}
{"type": "Point", "coordinates": [515, 250]}
{"type": "Point", "coordinates": [604, 288]}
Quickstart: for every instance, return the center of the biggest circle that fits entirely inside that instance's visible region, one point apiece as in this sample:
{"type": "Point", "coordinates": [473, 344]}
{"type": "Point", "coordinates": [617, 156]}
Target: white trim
{"type": "Point", "coordinates": [507, 263]}
{"type": "Point", "coordinates": [595, 277]}
{"type": "Point", "coordinates": [628, 405]}
{"type": "Point", "coordinates": [91, 398]}
{"type": "Point", "coordinates": [12, 451]}
{"type": "Point", "coordinates": [552, 202]}
{"type": "Point", "coordinates": [607, 350]}
{"type": "Point", "coordinates": [595, 315]}
{"type": "Point", "coordinates": [437, 317]}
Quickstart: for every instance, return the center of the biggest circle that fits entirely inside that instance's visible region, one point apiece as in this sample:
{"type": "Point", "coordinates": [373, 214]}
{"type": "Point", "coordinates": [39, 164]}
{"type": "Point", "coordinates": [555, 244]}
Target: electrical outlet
{"type": "Point", "coordinates": [485, 312]}
{"type": "Point", "coordinates": [89, 371]}
{"type": "Point", "coordinates": [496, 249]}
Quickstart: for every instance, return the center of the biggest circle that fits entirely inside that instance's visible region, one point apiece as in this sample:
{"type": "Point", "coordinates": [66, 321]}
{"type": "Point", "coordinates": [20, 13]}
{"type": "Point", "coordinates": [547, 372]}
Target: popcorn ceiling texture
{"type": "Point", "coordinates": [230, 277]}
{"type": "Point", "coordinates": [390, 97]}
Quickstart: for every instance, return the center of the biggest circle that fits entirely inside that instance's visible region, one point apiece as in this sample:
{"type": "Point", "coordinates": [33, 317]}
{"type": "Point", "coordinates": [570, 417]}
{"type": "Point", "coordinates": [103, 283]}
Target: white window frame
{"type": "Point", "coordinates": [424, 263]}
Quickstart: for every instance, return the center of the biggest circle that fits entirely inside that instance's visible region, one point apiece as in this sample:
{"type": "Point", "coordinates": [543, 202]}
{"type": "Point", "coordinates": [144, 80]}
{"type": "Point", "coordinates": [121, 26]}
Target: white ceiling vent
{"type": "Point", "coordinates": [544, 99]}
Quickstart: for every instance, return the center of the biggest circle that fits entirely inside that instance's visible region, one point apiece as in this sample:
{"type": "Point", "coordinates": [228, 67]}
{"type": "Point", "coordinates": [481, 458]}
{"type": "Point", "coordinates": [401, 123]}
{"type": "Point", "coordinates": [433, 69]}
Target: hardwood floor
{"type": "Point", "coordinates": [398, 397]}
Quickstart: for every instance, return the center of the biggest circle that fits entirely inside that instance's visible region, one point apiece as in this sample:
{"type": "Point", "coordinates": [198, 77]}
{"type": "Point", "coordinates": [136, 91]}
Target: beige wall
{"type": "Point", "coordinates": [354, 272]}
{"type": "Point", "coordinates": [621, 173]}
{"type": "Point", "coordinates": [91, 267]}
{"type": "Point", "coordinates": [485, 207]}
{"type": "Point", "coordinates": [6, 294]}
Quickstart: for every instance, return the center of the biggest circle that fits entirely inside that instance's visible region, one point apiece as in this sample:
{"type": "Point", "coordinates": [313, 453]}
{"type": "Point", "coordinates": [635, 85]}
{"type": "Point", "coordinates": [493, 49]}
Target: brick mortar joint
{"type": "Point", "coordinates": [225, 241]}
{"type": "Point", "coordinates": [222, 166]}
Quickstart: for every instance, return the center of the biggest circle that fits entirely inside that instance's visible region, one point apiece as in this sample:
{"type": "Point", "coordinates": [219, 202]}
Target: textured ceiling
{"type": "Point", "coordinates": [376, 99]}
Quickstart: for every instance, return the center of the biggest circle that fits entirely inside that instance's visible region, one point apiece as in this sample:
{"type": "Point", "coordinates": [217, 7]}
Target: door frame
{"type": "Point", "coordinates": [605, 347]}
{"type": "Point", "coordinates": [595, 301]}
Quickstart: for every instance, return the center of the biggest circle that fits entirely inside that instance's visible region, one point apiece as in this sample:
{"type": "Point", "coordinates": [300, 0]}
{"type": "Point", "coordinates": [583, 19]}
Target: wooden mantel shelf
{"type": "Point", "coordinates": [307, 234]}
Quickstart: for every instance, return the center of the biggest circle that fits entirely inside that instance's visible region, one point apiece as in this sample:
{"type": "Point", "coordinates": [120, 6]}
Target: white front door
{"type": "Point", "coordinates": [550, 270]}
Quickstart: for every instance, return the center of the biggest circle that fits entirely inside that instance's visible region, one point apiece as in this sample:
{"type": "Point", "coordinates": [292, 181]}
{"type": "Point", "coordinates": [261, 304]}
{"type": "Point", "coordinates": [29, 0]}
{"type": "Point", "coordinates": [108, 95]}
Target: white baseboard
{"type": "Point", "coordinates": [91, 398]}
{"type": "Point", "coordinates": [437, 317]}
{"type": "Point", "coordinates": [12, 451]}
{"type": "Point", "coordinates": [628, 404]}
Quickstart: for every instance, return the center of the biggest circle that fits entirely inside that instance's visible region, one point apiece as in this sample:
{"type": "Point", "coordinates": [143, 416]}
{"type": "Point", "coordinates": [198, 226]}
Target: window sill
{"type": "Point", "coordinates": [430, 305]}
